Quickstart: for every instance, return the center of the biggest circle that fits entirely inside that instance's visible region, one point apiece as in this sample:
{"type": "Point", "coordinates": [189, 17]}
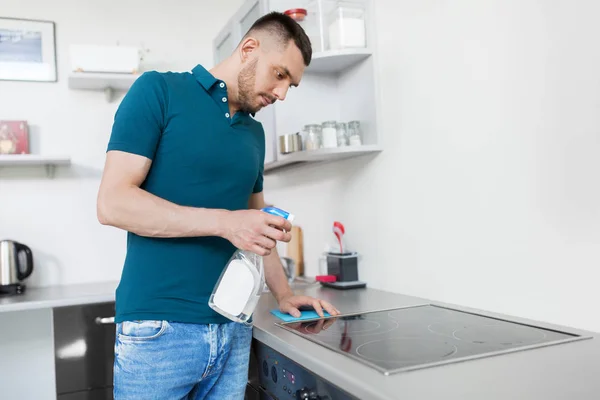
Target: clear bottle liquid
{"type": "Point", "coordinates": [241, 283]}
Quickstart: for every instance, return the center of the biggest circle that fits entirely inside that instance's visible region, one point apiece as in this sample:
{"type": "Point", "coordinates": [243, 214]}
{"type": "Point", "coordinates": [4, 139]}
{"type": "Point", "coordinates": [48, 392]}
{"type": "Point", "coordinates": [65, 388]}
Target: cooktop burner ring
{"type": "Point", "coordinates": [338, 327]}
{"type": "Point", "coordinates": [438, 350]}
{"type": "Point", "coordinates": [525, 336]}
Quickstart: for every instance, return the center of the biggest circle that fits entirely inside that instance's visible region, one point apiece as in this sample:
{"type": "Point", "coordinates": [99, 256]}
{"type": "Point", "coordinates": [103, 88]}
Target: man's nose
{"type": "Point", "coordinates": [280, 92]}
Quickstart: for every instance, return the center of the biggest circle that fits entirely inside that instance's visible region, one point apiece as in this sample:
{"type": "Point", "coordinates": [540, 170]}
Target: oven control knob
{"type": "Point", "coordinates": [302, 394]}
{"type": "Point", "coordinates": [307, 394]}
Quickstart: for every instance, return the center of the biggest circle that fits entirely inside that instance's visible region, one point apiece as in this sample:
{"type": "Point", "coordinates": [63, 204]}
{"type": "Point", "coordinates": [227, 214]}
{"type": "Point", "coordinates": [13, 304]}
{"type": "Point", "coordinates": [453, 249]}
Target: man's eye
{"type": "Point", "coordinates": [279, 76]}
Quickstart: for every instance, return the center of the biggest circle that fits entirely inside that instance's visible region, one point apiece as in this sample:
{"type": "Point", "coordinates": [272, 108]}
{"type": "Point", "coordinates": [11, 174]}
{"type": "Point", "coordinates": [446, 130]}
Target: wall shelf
{"type": "Point", "coordinates": [321, 155]}
{"type": "Point", "coordinates": [106, 82]}
{"type": "Point", "coordinates": [24, 160]}
{"type": "Point", "coordinates": [334, 61]}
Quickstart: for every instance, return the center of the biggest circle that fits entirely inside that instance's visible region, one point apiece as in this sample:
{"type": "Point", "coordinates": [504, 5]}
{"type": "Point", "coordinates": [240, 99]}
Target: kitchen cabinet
{"type": "Point", "coordinates": [84, 339]}
{"type": "Point", "coordinates": [340, 84]}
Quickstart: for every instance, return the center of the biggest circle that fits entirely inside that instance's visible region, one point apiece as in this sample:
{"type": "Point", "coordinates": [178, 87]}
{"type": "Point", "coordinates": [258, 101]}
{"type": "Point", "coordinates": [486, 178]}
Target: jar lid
{"type": "Point", "coordinates": [293, 11]}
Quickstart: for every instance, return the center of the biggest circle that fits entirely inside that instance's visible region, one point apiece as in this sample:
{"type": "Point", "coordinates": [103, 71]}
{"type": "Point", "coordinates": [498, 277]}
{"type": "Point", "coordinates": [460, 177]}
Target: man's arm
{"type": "Point", "coordinates": [277, 281]}
{"type": "Point", "coordinates": [123, 204]}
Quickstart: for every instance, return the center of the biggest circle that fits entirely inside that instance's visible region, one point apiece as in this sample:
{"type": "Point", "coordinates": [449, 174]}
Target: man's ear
{"type": "Point", "coordinates": [247, 47]}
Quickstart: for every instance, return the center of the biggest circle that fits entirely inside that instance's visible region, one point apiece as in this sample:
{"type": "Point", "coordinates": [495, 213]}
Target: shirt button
{"type": "Point", "coordinates": [227, 115]}
{"type": "Point", "coordinates": [222, 85]}
{"type": "Point", "coordinates": [224, 99]}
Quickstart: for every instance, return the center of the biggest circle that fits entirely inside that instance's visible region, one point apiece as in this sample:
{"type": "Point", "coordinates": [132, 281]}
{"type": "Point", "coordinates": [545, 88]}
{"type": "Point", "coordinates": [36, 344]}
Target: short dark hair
{"type": "Point", "coordinates": [285, 29]}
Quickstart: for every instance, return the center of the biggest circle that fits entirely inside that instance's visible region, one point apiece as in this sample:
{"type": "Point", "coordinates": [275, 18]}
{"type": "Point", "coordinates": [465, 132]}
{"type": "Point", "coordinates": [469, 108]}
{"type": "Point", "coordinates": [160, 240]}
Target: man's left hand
{"type": "Point", "coordinates": [290, 305]}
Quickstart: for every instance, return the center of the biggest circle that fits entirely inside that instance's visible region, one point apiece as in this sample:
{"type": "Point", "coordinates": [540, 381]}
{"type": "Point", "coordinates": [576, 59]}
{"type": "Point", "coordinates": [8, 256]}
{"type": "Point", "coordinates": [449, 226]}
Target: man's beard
{"type": "Point", "coordinates": [246, 84]}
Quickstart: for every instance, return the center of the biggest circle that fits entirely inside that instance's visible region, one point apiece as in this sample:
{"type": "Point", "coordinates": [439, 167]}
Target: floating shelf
{"type": "Point", "coordinates": [23, 160]}
{"type": "Point", "coordinates": [102, 81]}
{"type": "Point", "coordinates": [334, 61]}
{"type": "Point", "coordinates": [321, 155]}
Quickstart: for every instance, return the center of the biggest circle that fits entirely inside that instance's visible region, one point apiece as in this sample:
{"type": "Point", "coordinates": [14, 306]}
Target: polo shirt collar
{"type": "Point", "coordinates": [206, 79]}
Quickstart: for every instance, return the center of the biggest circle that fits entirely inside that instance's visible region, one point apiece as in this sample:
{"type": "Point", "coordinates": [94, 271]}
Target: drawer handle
{"type": "Point", "coordinates": [105, 321]}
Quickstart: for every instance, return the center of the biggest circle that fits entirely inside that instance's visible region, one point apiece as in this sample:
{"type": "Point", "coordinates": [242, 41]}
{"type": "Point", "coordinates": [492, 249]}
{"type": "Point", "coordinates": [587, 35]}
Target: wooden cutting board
{"type": "Point", "coordinates": [295, 249]}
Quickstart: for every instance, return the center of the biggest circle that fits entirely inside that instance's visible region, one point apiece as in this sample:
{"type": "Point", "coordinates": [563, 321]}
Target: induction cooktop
{"type": "Point", "coordinates": [422, 336]}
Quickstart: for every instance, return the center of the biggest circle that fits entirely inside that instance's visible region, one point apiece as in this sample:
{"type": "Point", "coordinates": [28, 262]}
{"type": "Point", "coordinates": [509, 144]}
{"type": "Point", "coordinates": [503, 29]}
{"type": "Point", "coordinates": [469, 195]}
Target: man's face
{"type": "Point", "coordinates": [267, 76]}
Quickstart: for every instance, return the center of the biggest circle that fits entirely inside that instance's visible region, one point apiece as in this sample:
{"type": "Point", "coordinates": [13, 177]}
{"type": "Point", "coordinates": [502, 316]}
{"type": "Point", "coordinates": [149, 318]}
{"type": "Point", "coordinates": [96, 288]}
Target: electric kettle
{"type": "Point", "coordinates": [12, 268]}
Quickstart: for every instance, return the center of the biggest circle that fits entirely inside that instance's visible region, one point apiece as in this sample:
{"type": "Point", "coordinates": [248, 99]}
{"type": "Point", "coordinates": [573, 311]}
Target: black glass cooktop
{"type": "Point", "coordinates": [422, 336]}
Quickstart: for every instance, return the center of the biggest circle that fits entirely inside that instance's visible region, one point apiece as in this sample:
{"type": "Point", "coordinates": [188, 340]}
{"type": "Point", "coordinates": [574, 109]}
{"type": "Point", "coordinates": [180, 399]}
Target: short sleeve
{"type": "Point", "coordinates": [139, 120]}
{"type": "Point", "coordinates": [258, 186]}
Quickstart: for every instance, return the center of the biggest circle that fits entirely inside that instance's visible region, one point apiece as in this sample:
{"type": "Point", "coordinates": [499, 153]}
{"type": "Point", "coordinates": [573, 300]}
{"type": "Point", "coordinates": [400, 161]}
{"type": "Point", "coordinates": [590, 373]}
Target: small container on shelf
{"type": "Point", "coordinates": [346, 26]}
{"type": "Point", "coordinates": [354, 134]}
{"type": "Point", "coordinates": [342, 134]}
{"type": "Point", "coordinates": [329, 132]}
{"type": "Point", "coordinates": [307, 17]}
{"type": "Point", "coordinates": [312, 137]}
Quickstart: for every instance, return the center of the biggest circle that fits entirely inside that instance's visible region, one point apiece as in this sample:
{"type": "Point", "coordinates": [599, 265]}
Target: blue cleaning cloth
{"type": "Point", "coordinates": [303, 315]}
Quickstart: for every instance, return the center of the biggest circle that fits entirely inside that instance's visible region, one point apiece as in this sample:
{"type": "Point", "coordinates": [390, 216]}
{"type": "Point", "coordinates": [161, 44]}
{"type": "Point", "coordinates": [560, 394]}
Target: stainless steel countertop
{"type": "Point", "coordinates": [562, 371]}
{"type": "Point", "coordinates": [59, 296]}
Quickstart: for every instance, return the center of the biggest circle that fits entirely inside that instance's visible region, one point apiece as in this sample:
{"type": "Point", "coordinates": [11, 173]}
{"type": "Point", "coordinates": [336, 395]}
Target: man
{"type": "Point", "coordinates": [184, 177]}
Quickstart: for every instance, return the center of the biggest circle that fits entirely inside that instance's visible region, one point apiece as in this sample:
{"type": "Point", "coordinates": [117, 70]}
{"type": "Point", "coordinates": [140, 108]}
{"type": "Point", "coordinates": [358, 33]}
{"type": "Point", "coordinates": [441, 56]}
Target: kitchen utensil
{"type": "Point", "coordinates": [295, 249]}
{"type": "Point", "coordinates": [290, 143]}
{"type": "Point", "coordinates": [343, 267]}
{"type": "Point", "coordinates": [13, 271]}
{"type": "Point", "coordinates": [338, 231]}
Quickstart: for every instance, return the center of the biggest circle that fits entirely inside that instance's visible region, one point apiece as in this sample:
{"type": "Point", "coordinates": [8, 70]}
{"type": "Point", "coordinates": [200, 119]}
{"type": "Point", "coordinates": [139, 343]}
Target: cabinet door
{"type": "Point", "coordinates": [84, 341]}
{"type": "Point", "coordinates": [224, 45]}
{"type": "Point", "coordinates": [248, 14]}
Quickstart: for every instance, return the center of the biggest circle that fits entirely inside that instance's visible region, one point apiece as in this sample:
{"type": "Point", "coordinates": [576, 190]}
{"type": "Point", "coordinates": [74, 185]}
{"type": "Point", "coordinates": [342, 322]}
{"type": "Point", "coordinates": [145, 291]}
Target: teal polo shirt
{"type": "Point", "coordinates": [201, 157]}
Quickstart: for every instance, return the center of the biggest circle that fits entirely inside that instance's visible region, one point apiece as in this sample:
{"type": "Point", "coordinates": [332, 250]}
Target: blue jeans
{"type": "Point", "coordinates": [167, 360]}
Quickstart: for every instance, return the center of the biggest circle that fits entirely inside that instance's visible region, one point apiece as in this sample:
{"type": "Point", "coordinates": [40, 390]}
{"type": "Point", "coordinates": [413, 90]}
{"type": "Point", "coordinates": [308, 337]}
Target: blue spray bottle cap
{"type": "Point", "coordinates": [279, 212]}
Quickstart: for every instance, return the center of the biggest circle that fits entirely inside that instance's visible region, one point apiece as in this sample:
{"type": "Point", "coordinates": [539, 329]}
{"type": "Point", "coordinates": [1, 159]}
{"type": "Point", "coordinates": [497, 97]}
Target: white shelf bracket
{"type": "Point", "coordinates": [50, 169]}
{"type": "Point", "coordinates": [108, 94]}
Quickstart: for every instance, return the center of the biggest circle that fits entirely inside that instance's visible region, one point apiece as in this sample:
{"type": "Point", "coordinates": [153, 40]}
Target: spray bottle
{"type": "Point", "coordinates": [242, 281]}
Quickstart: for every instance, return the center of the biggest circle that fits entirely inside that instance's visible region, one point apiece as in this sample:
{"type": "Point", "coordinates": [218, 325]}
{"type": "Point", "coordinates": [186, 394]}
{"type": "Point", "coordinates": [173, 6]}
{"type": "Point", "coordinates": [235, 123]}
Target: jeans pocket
{"type": "Point", "coordinates": [141, 330]}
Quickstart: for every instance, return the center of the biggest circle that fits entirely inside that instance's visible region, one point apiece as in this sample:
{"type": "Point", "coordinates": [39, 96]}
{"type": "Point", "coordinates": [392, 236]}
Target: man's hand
{"type": "Point", "coordinates": [291, 303]}
{"type": "Point", "coordinates": [255, 230]}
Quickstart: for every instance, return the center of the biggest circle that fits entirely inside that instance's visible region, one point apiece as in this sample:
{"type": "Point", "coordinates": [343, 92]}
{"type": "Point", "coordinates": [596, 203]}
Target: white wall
{"type": "Point", "coordinates": [487, 192]}
{"type": "Point", "coordinates": [57, 218]}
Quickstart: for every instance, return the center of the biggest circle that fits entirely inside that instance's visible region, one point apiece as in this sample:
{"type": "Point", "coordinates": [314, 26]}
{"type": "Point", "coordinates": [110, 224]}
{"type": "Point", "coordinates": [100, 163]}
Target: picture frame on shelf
{"type": "Point", "coordinates": [14, 137]}
{"type": "Point", "coordinates": [27, 50]}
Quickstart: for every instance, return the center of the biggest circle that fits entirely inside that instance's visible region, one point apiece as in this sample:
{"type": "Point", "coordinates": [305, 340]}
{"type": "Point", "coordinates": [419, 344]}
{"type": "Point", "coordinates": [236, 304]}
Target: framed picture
{"type": "Point", "coordinates": [14, 137]}
{"type": "Point", "coordinates": [27, 50]}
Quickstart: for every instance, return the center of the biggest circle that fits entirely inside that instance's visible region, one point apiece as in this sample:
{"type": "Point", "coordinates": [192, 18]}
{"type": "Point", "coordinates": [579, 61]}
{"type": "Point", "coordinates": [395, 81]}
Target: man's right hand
{"type": "Point", "coordinates": [255, 230]}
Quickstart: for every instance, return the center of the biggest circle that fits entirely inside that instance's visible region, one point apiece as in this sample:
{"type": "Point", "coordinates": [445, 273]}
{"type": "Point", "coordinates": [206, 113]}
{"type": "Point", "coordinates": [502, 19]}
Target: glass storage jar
{"type": "Point", "coordinates": [346, 26]}
{"type": "Point", "coordinates": [312, 136]}
{"type": "Point", "coordinates": [354, 134]}
{"type": "Point", "coordinates": [329, 132]}
{"type": "Point", "coordinates": [342, 134]}
{"type": "Point", "coordinates": [308, 18]}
